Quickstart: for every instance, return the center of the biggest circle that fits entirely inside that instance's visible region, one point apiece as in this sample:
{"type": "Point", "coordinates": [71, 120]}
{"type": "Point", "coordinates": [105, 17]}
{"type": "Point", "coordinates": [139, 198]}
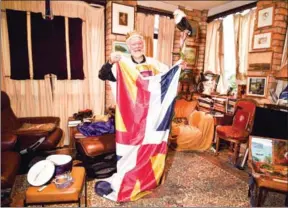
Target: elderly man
{"type": "Point", "coordinates": [136, 45]}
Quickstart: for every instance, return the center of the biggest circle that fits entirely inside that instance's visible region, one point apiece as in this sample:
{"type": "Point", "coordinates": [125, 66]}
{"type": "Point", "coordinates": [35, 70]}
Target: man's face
{"type": "Point", "coordinates": [136, 47]}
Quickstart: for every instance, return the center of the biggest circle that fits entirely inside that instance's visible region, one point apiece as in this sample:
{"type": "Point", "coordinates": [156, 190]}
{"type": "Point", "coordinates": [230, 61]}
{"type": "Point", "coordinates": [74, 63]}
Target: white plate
{"type": "Point", "coordinates": [40, 173]}
{"type": "Point", "coordinates": [59, 159]}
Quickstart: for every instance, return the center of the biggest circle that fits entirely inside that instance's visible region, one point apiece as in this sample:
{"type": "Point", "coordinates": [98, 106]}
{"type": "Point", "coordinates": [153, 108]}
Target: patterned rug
{"type": "Point", "coordinates": [190, 181]}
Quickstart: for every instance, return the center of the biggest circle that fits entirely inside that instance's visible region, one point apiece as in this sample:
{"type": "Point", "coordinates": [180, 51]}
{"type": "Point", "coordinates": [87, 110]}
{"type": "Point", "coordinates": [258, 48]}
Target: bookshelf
{"type": "Point", "coordinates": [216, 104]}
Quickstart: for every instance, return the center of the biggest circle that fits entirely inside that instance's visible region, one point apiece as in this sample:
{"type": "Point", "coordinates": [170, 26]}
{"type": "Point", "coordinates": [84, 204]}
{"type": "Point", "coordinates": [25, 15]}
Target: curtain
{"type": "Point", "coordinates": [64, 97]}
{"type": "Point", "coordinates": [212, 61]}
{"type": "Point", "coordinates": [229, 53]}
{"type": "Point", "coordinates": [285, 53]}
{"type": "Point", "coordinates": [244, 36]}
{"type": "Point", "coordinates": [145, 26]}
{"type": "Point", "coordinates": [165, 40]}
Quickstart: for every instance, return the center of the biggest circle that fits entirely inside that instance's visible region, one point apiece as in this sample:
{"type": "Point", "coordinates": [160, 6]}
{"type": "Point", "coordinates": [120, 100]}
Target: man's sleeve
{"type": "Point", "coordinates": [105, 72]}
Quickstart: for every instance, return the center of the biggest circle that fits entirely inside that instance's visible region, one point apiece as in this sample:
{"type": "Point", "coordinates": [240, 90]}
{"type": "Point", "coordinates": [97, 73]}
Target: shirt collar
{"type": "Point", "coordinates": [143, 61]}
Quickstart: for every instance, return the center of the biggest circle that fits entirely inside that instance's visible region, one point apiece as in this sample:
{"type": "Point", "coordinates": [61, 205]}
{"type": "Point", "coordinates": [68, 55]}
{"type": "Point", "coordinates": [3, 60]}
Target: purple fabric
{"type": "Point", "coordinates": [97, 128]}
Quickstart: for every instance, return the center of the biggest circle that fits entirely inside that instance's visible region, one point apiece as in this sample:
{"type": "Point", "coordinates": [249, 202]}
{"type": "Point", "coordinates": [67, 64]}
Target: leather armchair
{"type": "Point", "coordinates": [10, 162]}
{"type": "Point", "coordinates": [191, 129]}
{"type": "Point", "coordinates": [27, 137]}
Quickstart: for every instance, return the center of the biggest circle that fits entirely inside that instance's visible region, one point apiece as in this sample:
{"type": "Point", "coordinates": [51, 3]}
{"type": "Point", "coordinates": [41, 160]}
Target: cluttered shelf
{"type": "Point", "coordinates": [216, 104]}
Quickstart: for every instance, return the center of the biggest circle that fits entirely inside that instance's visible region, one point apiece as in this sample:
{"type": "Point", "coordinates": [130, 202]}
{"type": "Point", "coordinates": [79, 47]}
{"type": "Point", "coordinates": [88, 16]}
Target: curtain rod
{"type": "Point", "coordinates": [231, 11]}
{"type": "Point", "coordinates": [149, 10]}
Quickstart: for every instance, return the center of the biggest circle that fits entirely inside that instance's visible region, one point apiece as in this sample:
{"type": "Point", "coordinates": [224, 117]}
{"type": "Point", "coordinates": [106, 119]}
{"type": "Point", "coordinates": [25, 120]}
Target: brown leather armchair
{"type": "Point", "coordinates": [10, 161]}
{"type": "Point", "coordinates": [29, 129]}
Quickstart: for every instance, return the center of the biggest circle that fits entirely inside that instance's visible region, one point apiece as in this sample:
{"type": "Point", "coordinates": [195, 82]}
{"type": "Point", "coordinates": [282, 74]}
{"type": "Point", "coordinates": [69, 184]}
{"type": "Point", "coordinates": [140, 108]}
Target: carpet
{"type": "Point", "coordinates": [190, 181]}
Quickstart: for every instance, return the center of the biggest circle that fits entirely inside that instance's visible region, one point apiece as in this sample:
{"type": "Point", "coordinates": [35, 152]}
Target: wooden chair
{"type": "Point", "coordinates": [240, 129]}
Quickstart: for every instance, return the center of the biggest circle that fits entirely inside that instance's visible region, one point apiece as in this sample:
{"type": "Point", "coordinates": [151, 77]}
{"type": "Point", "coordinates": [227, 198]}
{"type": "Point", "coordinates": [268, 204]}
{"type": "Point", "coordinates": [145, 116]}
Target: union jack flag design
{"type": "Point", "coordinates": [143, 115]}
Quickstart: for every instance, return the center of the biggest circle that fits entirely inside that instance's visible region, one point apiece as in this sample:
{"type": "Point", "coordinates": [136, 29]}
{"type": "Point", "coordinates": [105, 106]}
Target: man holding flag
{"type": "Point", "coordinates": [145, 92]}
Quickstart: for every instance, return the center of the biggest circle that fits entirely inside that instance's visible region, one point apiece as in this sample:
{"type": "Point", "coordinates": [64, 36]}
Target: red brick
{"type": "Point", "coordinates": [277, 49]}
{"type": "Point", "coordinates": [281, 4]}
{"type": "Point", "coordinates": [281, 11]}
{"type": "Point", "coordinates": [278, 37]}
{"type": "Point", "coordinates": [204, 13]}
{"type": "Point", "coordinates": [277, 55]}
{"type": "Point", "coordinates": [282, 24]}
{"type": "Point", "coordinates": [277, 42]}
{"type": "Point", "coordinates": [197, 19]}
{"type": "Point", "coordinates": [279, 17]}
{"type": "Point", "coordinates": [265, 30]}
{"type": "Point", "coordinates": [196, 12]}
{"type": "Point", "coordinates": [262, 3]}
{"type": "Point", "coordinates": [276, 61]}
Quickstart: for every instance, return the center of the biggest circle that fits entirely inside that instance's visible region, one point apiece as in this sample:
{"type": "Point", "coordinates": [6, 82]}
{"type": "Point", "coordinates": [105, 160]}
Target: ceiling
{"type": "Point", "coordinates": [200, 5]}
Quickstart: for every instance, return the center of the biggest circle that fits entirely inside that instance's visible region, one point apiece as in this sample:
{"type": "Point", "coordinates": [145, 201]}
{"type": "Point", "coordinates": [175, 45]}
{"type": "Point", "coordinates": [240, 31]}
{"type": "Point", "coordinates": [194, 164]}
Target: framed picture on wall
{"type": "Point", "coordinates": [262, 41]}
{"type": "Point", "coordinates": [190, 55]}
{"type": "Point", "coordinates": [265, 17]}
{"type": "Point", "coordinates": [256, 86]}
{"type": "Point", "coordinates": [122, 18]}
{"type": "Point", "coordinates": [122, 47]}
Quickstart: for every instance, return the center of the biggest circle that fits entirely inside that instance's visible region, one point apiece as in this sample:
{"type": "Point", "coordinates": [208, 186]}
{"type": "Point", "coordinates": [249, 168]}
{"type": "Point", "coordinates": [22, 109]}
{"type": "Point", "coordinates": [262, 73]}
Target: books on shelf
{"type": "Point", "coordinates": [74, 123]}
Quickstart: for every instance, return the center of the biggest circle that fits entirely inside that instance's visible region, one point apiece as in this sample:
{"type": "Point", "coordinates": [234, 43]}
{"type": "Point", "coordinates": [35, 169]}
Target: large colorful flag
{"type": "Point", "coordinates": [143, 115]}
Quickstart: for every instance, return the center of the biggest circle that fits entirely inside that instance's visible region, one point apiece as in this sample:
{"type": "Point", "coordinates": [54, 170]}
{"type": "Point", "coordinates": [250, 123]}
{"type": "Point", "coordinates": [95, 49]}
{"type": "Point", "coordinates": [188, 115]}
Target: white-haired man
{"type": "Point", "coordinates": [136, 47]}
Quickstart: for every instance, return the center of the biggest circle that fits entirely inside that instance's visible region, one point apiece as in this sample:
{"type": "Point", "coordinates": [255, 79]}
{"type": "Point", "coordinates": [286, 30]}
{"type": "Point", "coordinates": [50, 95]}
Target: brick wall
{"type": "Point", "coordinates": [109, 41]}
{"type": "Point", "coordinates": [278, 30]}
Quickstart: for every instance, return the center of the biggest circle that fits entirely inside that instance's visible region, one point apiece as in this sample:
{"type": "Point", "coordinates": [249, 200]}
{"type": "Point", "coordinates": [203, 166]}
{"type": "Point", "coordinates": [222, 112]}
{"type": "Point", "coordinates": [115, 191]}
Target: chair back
{"type": "Point", "coordinates": [184, 108]}
{"type": "Point", "coordinates": [8, 118]}
{"type": "Point", "coordinates": [244, 114]}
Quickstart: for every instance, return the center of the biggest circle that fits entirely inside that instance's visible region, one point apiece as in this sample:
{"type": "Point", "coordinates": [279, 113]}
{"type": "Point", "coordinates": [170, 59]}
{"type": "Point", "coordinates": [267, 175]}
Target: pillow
{"type": "Point", "coordinates": [28, 127]}
{"type": "Point", "coordinates": [241, 119]}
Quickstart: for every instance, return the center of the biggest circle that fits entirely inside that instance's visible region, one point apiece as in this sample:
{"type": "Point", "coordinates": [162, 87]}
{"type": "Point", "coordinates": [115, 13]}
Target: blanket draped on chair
{"type": "Point", "coordinates": [143, 116]}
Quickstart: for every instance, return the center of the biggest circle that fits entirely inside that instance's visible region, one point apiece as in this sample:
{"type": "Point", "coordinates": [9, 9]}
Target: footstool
{"type": "Point", "coordinates": [51, 194]}
{"type": "Point", "coordinates": [98, 154]}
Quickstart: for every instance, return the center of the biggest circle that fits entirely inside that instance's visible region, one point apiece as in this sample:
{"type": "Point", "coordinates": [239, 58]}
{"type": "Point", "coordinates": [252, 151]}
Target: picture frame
{"type": "Point", "coordinates": [122, 18]}
{"type": "Point", "coordinates": [260, 61]}
{"type": "Point", "coordinates": [265, 17]}
{"type": "Point", "coordinates": [262, 41]}
{"type": "Point", "coordinates": [256, 86]}
{"type": "Point", "coordinates": [190, 54]}
{"type": "Point", "coordinates": [118, 46]}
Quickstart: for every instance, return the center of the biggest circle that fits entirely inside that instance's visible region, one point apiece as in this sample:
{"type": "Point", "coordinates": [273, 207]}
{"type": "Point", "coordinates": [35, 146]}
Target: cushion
{"type": "Point", "coordinates": [231, 132]}
{"type": "Point", "coordinates": [28, 127]}
{"type": "Point", "coordinates": [241, 119]}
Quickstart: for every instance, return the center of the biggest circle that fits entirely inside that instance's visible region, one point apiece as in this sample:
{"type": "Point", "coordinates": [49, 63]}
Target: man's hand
{"type": "Point", "coordinates": [183, 65]}
{"type": "Point", "coordinates": [115, 57]}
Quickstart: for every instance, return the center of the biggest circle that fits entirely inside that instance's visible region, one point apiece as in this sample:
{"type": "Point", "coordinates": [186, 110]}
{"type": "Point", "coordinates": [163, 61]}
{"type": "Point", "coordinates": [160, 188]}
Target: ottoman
{"type": "Point", "coordinates": [51, 194]}
{"type": "Point", "coordinates": [98, 154]}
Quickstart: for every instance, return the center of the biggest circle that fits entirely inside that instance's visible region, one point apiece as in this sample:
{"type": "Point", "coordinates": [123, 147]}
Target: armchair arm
{"type": "Point", "coordinates": [8, 141]}
{"type": "Point", "coordinates": [40, 120]}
